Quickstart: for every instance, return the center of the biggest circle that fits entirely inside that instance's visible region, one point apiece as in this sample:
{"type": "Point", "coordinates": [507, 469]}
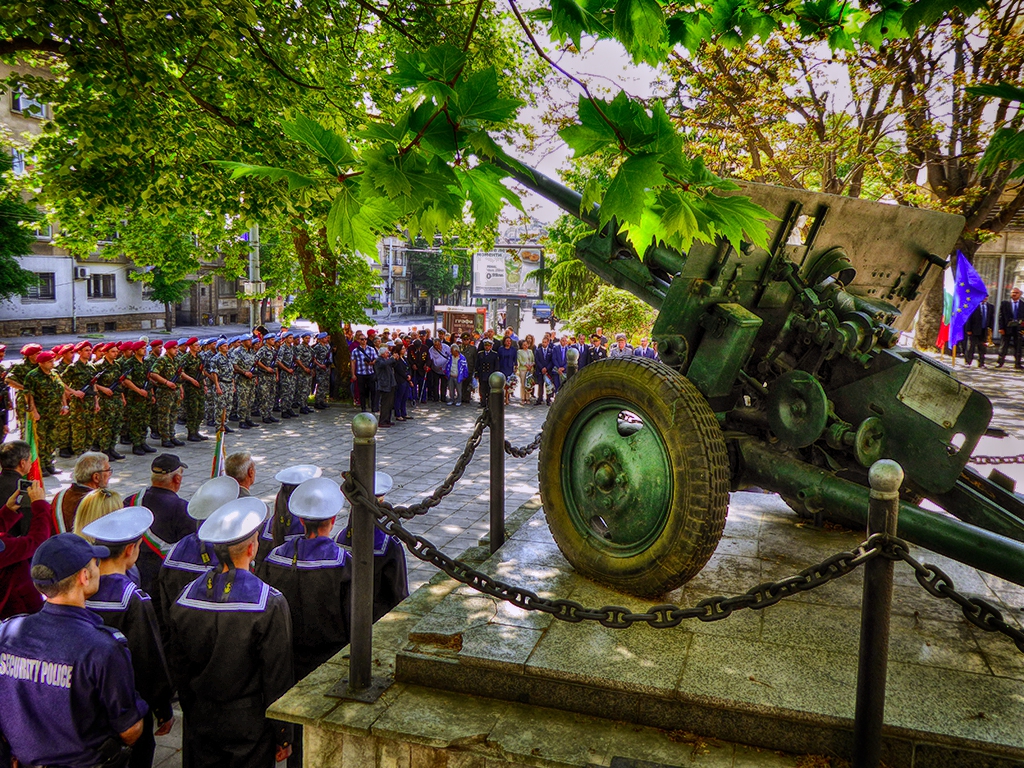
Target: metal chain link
{"type": "Point", "coordinates": [446, 487]}
{"type": "Point", "coordinates": [616, 616]}
{"type": "Point", "coordinates": [522, 451]}
{"type": "Point", "coordinates": [1018, 459]}
{"type": "Point", "coordinates": [979, 612]}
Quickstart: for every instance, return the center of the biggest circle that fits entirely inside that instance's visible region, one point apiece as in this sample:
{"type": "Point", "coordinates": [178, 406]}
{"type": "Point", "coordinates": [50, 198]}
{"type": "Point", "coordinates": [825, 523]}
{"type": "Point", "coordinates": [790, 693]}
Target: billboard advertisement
{"type": "Point", "coordinates": [507, 272]}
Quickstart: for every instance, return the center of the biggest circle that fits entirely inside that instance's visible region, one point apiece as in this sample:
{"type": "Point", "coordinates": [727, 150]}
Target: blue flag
{"type": "Point", "coordinates": [968, 294]}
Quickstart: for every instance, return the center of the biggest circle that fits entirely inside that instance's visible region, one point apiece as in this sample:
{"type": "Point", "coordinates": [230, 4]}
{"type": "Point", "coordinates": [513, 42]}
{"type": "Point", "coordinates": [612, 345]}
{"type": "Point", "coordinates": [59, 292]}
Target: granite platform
{"type": "Point", "coordinates": [480, 683]}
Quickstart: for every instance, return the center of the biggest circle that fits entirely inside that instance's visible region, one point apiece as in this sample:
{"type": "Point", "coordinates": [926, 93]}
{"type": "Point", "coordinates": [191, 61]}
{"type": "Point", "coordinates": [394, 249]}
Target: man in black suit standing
{"type": "Point", "coordinates": [979, 325]}
{"type": "Point", "coordinates": [1011, 313]}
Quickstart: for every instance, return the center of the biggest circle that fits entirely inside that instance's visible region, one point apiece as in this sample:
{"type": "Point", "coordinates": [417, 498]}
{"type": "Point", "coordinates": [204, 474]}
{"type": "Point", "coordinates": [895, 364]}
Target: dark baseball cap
{"type": "Point", "coordinates": [166, 464]}
{"type": "Point", "coordinates": [65, 554]}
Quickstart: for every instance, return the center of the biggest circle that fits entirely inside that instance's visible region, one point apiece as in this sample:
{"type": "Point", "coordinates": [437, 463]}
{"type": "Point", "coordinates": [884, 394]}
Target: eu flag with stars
{"type": "Point", "coordinates": [968, 294]}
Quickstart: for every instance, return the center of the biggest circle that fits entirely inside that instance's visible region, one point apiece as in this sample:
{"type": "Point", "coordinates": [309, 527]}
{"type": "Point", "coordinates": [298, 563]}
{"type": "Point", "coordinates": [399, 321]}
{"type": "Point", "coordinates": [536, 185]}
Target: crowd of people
{"type": "Point", "coordinates": [83, 397]}
{"type": "Point", "coordinates": [393, 371]}
{"type": "Point", "coordinates": [113, 607]}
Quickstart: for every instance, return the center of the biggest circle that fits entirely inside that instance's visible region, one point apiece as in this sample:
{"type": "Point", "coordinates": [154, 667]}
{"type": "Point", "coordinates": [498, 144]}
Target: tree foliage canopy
{"type": "Point", "coordinates": [16, 236]}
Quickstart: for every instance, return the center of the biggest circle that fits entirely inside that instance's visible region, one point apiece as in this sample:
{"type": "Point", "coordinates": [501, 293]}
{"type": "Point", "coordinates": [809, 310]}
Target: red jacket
{"type": "Point", "coordinates": [17, 592]}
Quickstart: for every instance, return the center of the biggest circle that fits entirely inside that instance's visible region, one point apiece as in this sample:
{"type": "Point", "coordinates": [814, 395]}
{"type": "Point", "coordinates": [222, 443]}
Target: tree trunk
{"type": "Point", "coordinates": [168, 319]}
{"type": "Point", "coordinates": [342, 367]}
{"type": "Point", "coordinates": [929, 317]}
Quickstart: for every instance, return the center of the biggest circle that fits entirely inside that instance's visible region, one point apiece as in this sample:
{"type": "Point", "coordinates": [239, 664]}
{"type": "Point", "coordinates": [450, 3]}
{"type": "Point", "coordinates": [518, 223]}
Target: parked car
{"type": "Point", "coordinates": [541, 311]}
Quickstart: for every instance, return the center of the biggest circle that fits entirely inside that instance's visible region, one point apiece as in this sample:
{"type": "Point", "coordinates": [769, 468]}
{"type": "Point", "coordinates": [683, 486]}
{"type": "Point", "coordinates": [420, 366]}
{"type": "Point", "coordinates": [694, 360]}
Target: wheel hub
{"type": "Point", "coordinates": [618, 478]}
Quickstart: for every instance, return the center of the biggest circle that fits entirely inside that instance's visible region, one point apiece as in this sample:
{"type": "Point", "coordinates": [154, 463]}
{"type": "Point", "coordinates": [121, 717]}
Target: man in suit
{"type": "Point", "coordinates": [1011, 313]}
{"type": "Point", "coordinates": [979, 325]}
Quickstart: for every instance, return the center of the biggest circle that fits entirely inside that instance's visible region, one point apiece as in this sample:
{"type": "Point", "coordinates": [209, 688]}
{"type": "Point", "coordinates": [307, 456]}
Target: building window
{"type": "Point", "coordinates": [18, 162]}
{"type": "Point", "coordinates": [92, 327]}
{"type": "Point", "coordinates": [102, 286]}
{"type": "Point", "coordinates": [401, 291]}
{"type": "Point", "coordinates": [226, 288]}
{"type": "Point", "coordinates": [28, 106]}
{"type": "Point", "coordinates": [46, 287]}
{"type": "Point", "coordinates": [110, 326]}
{"type": "Point", "coordinates": [44, 232]}
{"type": "Point", "coordinates": [49, 330]}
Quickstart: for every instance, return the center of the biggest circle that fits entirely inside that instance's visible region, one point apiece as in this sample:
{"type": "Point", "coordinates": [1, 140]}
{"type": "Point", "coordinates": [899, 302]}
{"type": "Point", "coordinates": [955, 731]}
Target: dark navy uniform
{"type": "Point", "coordinates": [171, 523]}
{"type": "Point", "coordinates": [125, 607]}
{"type": "Point", "coordinates": [187, 560]}
{"type": "Point", "coordinates": [66, 687]}
{"type": "Point", "coordinates": [290, 525]}
{"type": "Point", "coordinates": [390, 574]}
{"type": "Point", "coordinates": [230, 654]}
{"type": "Point", "coordinates": [314, 575]}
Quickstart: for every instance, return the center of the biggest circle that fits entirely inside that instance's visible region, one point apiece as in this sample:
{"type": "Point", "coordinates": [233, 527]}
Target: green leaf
{"type": "Point", "coordinates": [327, 144]}
{"type": "Point", "coordinates": [690, 29]}
{"type": "Point", "coordinates": [735, 217]}
{"type": "Point", "coordinates": [569, 20]}
{"type": "Point", "coordinates": [925, 13]}
{"type": "Point", "coordinates": [1006, 146]}
{"type": "Point", "coordinates": [440, 63]}
{"type": "Point", "coordinates": [477, 98]}
{"type": "Point", "coordinates": [592, 195]}
{"type": "Point", "coordinates": [631, 121]}
{"type": "Point", "coordinates": [679, 218]}
{"type": "Point", "coordinates": [646, 233]}
{"type": "Point", "coordinates": [998, 91]}
{"type": "Point", "coordinates": [387, 131]}
{"type": "Point", "coordinates": [628, 190]}
{"type": "Point", "coordinates": [354, 225]}
{"type": "Point", "coordinates": [484, 146]}
{"type": "Point", "coordinates": [884, 25]}
{"type": "Point", "coordinates": [640, 26]}
{"type": "Point", "coordinates": [486, 193]}
{"type": "Point", "coordinates": [240, 170]}
{"type": "Point", "coordinates": [383, 168]}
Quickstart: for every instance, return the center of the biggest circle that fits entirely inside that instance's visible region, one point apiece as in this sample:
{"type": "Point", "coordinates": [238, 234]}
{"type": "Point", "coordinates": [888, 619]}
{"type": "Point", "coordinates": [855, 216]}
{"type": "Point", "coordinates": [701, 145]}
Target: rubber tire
{"type": "Point", "coordinates": [696, 450]}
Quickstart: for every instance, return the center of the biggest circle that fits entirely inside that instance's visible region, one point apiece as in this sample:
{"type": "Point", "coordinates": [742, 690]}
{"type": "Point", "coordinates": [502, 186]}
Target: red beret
{"type": "Point", "coordinates": [56, 349]}
{"type": "Point", "coordinates": [44, 357]}
{"type": "Point", "coordinates": [192, 340]}
{"type": "Point", "coordinates": [31, 349]}
{"type": "Point", "coordinates": [171, 344]}
{"type": "Point", "coordinates": [154, 343]}
{"type": "Point", "coordinates": [82, 345]}
{"type": "Point", "coordinates": [64, 349]}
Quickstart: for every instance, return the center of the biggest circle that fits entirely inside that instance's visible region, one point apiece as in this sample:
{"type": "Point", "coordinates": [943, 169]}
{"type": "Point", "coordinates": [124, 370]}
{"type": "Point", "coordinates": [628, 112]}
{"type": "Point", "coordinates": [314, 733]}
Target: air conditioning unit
{"type": "Point", "coordinates": [81, 273]}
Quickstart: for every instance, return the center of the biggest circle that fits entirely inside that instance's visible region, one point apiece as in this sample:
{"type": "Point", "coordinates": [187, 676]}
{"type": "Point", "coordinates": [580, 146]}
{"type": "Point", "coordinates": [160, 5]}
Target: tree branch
{"type": "Point", "coordinates": [277, 67]}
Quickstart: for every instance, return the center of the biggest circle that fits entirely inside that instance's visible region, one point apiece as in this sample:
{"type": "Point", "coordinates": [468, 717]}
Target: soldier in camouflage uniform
{"type": "Point", "coordinates": [137, 406]}
{"type": "Point", "coordinates": [16, 380]}
{"type": "Point", "coordinates": [243, 362]}
{"type": "Point", "coordinates": [155, 350]}
{"type": "Point", "coordinates": [46, 400]}
{"type": "Point", "coordinates": [125, 358]}
{"type": "Point", "coordinates": [303, 373]}
{"type": "Point", "coordinates": [287, 367]}
{"type": "Point", "coordinates": [64, 355]}
{"type": "Point", "coordinates": [206, 353]}
{"type": "Point", "coordinates": [266, 367]}
{"type": "Point", "coordinates": [193, 377]}
{"type": "Point", "coordinates": [110, 399]}
{"type": "Point", "coordinates": [322, 370]}
{"type": "Point", "coordinates": [163, 379]}
{"type": "Point", "coordinates": [79, 375]}
{"type": "Point", "coordinates": [222, 379]}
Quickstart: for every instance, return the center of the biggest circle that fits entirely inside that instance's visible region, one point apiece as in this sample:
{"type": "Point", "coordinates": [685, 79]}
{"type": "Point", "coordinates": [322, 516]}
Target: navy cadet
{"type": "Point", "coordinates": [171, 522]}
{"type": "Point", "coordinates": [230, 650]}
{"type": "Point", "coordinates": [191, 557]}
{"type": "Point", "coordinates": [67, 690]}
{"type": "Point", "coordinates": [282, 525]}
{"type": "Point", "coordinates": [390, 572]}
{"type": "Point", "coordinates": [125, 607]}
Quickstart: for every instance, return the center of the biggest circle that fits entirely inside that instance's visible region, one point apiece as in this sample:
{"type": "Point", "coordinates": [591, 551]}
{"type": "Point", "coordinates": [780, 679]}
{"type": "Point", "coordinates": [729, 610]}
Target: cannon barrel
{"type": "Point", "coordinates": [569, 200]}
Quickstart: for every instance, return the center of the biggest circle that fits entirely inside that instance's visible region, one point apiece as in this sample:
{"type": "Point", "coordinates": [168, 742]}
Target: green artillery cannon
{"type": "Point", "coordinates": [780, 369]}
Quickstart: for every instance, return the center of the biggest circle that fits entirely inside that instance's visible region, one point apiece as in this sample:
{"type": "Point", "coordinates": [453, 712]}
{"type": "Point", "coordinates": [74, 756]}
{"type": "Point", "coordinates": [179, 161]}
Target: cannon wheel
{"type": "Point", "coordinates": [634, 475]}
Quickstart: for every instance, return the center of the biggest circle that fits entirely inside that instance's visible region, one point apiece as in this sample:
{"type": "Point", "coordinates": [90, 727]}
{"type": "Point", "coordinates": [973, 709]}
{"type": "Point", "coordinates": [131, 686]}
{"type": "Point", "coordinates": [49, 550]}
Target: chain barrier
{"type": "Point", "coordinates": [979, 612]}
{"type": "Point", "coordinates": [446, 487]}
{"type": "Point", "coordinates": [1018, 459]}
{"type": "Point", "coordinates": [522, 451]}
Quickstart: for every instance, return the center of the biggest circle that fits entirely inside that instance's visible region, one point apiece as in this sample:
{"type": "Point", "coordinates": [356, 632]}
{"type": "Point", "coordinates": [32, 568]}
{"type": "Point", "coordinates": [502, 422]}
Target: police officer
{"type": "Point", "coordinates": [190, 557]}
{"type": "Point", "coordinates": [390, 572]}
{"type": "Point", "coordinates": [230, 650]}
{"type": "Point", "coordinates": [282, 525]}
{"type": "Point", "coordinates": [125, 607]}
{"type": "Point", "coordinates": [67, 689]}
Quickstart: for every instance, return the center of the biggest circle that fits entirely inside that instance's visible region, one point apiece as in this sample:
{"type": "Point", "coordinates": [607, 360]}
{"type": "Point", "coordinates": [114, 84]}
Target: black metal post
{"type": "Point", "coordinates": [497, 426]}
{"type": "Point", "coordinates": [363, 465]}
{"type": "Point", "coordinates": [885, 478]}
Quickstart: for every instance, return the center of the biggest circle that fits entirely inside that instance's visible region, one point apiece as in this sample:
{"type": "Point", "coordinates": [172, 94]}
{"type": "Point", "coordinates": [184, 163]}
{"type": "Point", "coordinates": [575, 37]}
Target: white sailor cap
{"type": "Point", "coordinates": [298, 474]}
{"type": "Point", "coordinates": [122, 526]}
{"type": "Point", "coordinates": [211, 496]}
{"type": "Point", "coordinates": [234, 522]}
{"type": "Point", "coordinates": [317, 499]}
{"type": "Point", "coordinates": [382, 483]}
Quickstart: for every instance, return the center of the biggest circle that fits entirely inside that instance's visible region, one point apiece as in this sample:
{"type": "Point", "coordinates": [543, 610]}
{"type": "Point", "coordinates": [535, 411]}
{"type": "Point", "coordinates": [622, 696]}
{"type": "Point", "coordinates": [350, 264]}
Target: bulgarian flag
{"type": "Point", "coordinates": [35, 472]}
{"type": "Point", "coordinates": [948, 288]}
{"type": "Point", "coordinates": [219, 453]}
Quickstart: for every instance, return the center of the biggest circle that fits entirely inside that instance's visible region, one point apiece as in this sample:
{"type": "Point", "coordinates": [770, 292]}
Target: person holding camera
{"type": "Point", "coordinates": [15, 463]}
{"type": "Point", "coordinates": [17, 593]}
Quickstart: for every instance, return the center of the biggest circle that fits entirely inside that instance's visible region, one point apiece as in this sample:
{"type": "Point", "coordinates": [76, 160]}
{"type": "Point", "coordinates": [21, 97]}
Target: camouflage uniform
{"type": "Point", "coordinates": [287, 380]}
{"type": "Point", "coordinates": [322, 376]}
{"type": "Point", "coordinates": [303, 380]}
{"type": "Point", "coordinates": [245, 388]}
{"type": "Point", "coordinates": [82, 418]}
{"type": "Point", "coordinates": [205, 355]}
{"type": "Point", "coordinates": [166, 398]}
{"type": "Point", "coordinates": [137, 409]}
{"type": "Point", "coordinates": [62, 425]}
{"type": "Point", "coordinates": [193, 402]}
{"type": "Point", "coordinates": [152, 360]}
{"type": "Point", "coordinates": [48, 392]}
{"type": "Point", "coordinates": [19, 372]}
{"type": "Point", "coordinates": [221, 365]}
{"type": "Point", "coordinates": [111, 415]}
{"type": "Point", "coordinates": [266, 391]}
